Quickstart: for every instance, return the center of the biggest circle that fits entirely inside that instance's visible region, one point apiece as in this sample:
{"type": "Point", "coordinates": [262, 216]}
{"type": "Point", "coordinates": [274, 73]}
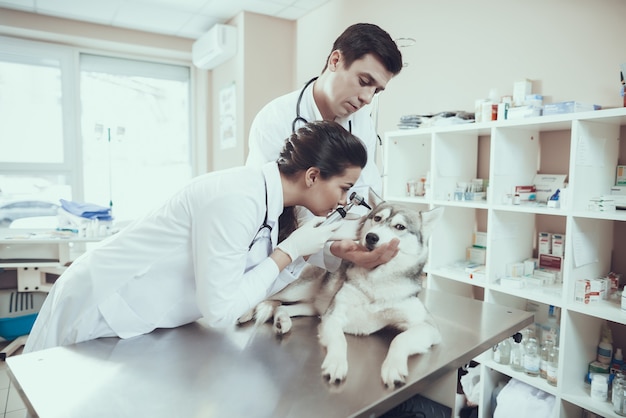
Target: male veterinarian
{"type": "Point", "coordinates": [362, 61]}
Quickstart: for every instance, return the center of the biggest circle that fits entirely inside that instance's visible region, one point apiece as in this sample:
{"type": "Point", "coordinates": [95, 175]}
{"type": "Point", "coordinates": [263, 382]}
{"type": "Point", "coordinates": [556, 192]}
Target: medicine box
{"type": "Point", "coordinates": [587, 291]}
{"type": "Point", "coordinates": [620, 176]}
{"type": "Point", "coordinates": [549, 261]}
{"type": "Point", "coordinates": [476, 255]}
{"type": "Point", "coordinates": [526, 192]}
{"type": "Point", "coordinates": [568, 107]}
{"type": "Point", "coordinates": [530, 265]}
{"type": "Point", "coordinates": [544, 243]}
{"type": "Point", "coordinates": [558, 244]}
{"type": "Point", "coordinates": [479, 239]}
{"type": "Point", "coordinates": [547, 185]}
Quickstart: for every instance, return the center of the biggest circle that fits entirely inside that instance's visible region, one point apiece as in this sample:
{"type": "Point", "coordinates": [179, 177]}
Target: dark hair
{"type": "Point", "coordinates": [361, 39]}
{"type": "Point", "coordinates": [323, 144]}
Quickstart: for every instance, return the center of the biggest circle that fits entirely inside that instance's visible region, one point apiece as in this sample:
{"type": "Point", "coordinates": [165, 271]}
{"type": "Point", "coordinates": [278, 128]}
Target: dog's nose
{"type": "Point", "coordinates": [371, 239]}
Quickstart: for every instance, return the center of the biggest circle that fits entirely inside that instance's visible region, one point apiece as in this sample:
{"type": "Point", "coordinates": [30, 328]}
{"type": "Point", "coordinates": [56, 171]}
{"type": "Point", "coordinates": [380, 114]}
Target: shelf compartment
{"type": "Point", "coordinates": [411, 156]}
{"type": "Point", "coordinates": [595, 147]}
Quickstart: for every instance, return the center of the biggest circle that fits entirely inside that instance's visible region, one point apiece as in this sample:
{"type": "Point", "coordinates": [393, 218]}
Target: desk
{"type": "Point", "coordinates": [196, 371]}
{"type": "Point", "coordinates": [35, 253]}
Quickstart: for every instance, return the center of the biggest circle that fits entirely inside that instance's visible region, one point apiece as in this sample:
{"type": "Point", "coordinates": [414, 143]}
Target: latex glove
{"type": "Point", "coordinates": [348, 229]}
{"type": "Point", "coordinates": [308, 239]}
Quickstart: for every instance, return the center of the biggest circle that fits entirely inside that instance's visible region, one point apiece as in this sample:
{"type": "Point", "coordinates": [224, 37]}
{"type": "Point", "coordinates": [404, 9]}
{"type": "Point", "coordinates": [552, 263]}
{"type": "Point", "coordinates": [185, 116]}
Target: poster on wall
{"type": "Point", "coordinates": [228, 138]}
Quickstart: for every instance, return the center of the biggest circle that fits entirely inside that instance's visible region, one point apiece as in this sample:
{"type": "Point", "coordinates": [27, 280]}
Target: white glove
{"type": "Point", "coordinates": [308, 239]}
{"type": "Point", "coordinates": [348, 229]}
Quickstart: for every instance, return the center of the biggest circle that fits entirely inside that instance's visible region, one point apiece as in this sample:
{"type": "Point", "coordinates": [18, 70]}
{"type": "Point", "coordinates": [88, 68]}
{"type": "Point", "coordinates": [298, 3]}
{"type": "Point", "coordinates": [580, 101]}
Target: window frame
{"type": "Point", "coordinates": [69, 59]}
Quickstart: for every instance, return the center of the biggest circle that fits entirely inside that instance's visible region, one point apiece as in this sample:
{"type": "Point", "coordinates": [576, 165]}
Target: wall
{"type": "Point", "coordinates": [261, 70]}
{"type": "Point", "coordinates": [570, 49]}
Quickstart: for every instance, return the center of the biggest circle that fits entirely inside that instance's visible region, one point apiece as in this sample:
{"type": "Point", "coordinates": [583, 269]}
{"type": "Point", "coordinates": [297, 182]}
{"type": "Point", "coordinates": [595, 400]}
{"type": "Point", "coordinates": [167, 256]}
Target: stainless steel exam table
{"type": "Point", "coordinates": [195, 371]}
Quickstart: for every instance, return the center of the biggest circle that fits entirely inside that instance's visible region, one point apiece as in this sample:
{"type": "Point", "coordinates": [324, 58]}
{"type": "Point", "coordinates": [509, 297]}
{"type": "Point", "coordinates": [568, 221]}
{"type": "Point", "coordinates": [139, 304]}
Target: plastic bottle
{"type": "Point", "coordinates": [553, 366]}
{"type": "Point", "coordinates": [545, 355]}
{"type": "Point", "coordinates": [532, 361]}
{"type": "Point", "coordinates": [605, 351]}
{"type": "Point", "coordinates": [618, 361]}
{"type": "Point", "coordinates": [599, 387]}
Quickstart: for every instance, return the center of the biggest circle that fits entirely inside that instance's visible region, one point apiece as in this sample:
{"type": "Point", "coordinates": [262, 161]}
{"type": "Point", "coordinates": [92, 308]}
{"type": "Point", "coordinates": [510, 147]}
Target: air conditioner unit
{"type": "Point", "coordinates": [214, 47]}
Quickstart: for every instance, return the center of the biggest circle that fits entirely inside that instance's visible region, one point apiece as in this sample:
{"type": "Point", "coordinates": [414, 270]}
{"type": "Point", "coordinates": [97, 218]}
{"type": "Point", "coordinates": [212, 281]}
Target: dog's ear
{"type": "Point", "coordinates": [429, 221]}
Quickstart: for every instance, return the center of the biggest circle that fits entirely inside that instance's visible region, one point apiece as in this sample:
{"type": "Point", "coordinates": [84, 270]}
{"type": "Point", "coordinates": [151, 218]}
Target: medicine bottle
{"type": "Point", "coordinates": [617, 394]}
{"type": "Point", "coordinates": [532, 361]}
{"type": "Point", "coordinates": [599, 387]}
{"type": "Point", "coordinates": [553, 366]}
{"type": "Point", "coordinates": [545, 354]}
{"type": "Point", "coordinates": [502, 353]}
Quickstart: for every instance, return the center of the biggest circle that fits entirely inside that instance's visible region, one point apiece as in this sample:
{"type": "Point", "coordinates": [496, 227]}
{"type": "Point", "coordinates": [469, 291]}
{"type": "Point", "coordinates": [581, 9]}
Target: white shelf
{"type": "Point", "coordinates": [585, 148]}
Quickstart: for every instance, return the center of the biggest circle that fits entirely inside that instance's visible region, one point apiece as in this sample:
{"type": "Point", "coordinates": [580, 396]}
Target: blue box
{"type": "Point", "coordinates": [11, 328]}
{"type": "Point", "coordinates": [18, 311]}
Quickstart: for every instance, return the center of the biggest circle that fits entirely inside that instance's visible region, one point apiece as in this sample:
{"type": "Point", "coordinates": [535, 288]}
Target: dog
{"type": "Point", "coordinates": [361, 301]}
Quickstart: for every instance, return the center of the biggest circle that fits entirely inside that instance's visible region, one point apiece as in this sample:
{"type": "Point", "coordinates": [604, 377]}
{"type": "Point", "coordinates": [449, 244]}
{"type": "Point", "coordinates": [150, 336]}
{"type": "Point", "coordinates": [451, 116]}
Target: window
{"type": "Point", "coordinates": [135, 130]}
{"type": "Point", "coordinates": [117, 131]}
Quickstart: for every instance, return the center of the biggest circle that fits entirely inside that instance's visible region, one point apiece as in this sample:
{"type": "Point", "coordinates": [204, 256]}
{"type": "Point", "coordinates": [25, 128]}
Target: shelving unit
{"type": "Point", "coordinates": [585, 147]}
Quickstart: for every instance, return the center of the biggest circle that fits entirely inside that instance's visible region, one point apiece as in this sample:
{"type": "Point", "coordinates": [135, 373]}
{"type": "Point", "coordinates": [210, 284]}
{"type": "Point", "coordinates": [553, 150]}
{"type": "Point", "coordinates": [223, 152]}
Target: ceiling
{"type": "Point", "coordinates": [184, 18]}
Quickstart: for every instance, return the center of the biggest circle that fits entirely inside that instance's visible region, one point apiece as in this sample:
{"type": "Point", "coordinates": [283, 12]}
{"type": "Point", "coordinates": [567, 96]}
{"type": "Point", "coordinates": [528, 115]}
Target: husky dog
{"type": "Point", "coordinates": [361, 301]}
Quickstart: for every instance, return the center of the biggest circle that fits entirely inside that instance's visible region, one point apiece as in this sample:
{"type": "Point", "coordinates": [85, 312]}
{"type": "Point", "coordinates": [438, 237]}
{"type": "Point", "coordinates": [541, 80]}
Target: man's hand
{"type": "Point", "coordinates": [351, 251]}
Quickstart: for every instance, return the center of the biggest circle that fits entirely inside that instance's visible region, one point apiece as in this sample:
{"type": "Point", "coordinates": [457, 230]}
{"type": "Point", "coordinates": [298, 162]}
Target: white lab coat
{"type": "Point", "coordinates": [186, 260]}
{"type": "Point", "coordinates": [272, 126]}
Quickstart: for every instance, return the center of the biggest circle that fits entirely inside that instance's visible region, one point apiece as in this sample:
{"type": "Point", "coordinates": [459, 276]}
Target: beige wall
{"type": "Point", "coordinates": [261, 70]}
{"type": "Point", "coordinates": [570, 49]}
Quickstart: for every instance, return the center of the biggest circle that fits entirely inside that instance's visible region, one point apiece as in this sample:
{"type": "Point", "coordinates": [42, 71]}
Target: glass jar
{"type": "Point", "coordinates": [552, 369]}
{"type": "Point", "coordinates": [502, 353]}
{"type": "Point", "coordinates": [532, 361]}
{"type": "Point", "coordinates": [517, 354]}
{"type": "Point", "coordinates": [545, 352]}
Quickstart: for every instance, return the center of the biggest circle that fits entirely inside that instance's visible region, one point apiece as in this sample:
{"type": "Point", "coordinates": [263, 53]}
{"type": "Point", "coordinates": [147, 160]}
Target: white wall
{"type": "Point", "coordinates": [570, 49]}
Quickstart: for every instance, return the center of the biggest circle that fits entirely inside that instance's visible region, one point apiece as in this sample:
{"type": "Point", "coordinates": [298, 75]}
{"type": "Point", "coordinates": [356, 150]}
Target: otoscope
{"type": "Point", "coordinates": [341, 212]}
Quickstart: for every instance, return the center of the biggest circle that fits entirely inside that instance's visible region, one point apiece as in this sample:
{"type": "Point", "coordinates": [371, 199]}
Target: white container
{"type": "Point", "coordinates": [599, 387]}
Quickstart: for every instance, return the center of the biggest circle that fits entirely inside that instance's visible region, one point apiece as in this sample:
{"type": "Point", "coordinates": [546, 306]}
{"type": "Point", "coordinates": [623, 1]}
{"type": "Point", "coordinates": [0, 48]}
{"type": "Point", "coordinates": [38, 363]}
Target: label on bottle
{"type": "Point", "coordinates": [531, 364]}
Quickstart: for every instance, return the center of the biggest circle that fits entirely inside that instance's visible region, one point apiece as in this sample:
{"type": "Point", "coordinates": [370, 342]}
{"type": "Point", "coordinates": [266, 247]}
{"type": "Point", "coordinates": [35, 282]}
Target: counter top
{"type": "Point", "coordinates": [197, 371]}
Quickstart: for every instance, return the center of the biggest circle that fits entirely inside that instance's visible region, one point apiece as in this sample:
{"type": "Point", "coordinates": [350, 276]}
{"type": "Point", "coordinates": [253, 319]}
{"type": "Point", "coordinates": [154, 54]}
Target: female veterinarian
{"type": "Point", "coordinates": [213, 250]}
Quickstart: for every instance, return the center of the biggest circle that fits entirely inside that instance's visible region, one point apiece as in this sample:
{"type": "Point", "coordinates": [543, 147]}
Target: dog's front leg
{"type": "Point", "coordinates": [332, 337]}
{"type": "Point", "coordinates": [415, 340]}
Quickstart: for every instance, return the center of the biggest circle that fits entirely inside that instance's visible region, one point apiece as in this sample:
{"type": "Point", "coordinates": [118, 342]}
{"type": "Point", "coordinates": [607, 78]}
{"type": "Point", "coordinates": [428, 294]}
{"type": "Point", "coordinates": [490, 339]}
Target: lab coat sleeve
{"type": "Point", "coordinates": [224, 289]}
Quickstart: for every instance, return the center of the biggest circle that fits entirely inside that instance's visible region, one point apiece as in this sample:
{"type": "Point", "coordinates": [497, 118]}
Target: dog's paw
{"type": "Point", "coordinates": [394, 372]}
{"type": "Point", "coordinates": [335, 369]}
{"type": "Point", "coordinates": [261, 313]}
{"type": "Point", "coordinates": [282, 322]}
{"type": "Point", "coordinates": [247, 317]}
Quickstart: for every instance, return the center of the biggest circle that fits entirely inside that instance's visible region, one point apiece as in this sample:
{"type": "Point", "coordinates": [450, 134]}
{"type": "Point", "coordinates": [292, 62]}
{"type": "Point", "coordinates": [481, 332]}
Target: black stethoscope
{"type": "Point", "coordinates": [299, 117]}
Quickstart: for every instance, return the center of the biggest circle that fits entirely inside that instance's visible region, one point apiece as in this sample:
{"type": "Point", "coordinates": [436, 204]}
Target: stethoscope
{"type": "Point", "coordinates": [264, 226]}
{"type": "Point", "coordinates": [299, 117]}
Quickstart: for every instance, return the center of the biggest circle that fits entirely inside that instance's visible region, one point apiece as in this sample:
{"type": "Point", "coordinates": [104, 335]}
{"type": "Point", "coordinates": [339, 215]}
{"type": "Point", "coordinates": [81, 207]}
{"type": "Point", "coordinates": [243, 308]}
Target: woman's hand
{"type": "Point", "coordinates": [359, 255]}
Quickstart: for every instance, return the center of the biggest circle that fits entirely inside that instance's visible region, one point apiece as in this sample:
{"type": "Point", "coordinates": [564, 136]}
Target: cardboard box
{"type": "Point", "coordinates": [476, 255]}
{"type": "Point", "coordinates": [544, 243]}
{"type": "Point", "coordinates": [547, 185]}
{"type": "Point", "coordinates": [549, 261]}
{"type": "Point", "coordinates": [526, 192]}
{"type": "Point", "coordinates": [568, 107]}
{"type": "Point", "coordinates": [479, 239]}
{"type": "Point", "coordinates": [620, 176]}
{"type": "Point", "coordinates": [558, 244]}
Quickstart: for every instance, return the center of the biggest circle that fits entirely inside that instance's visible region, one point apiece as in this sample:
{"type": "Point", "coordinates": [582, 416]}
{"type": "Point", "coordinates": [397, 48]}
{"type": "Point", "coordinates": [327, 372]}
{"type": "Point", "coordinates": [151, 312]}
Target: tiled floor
{"type": "Point", "coordinates": [11, 405]}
